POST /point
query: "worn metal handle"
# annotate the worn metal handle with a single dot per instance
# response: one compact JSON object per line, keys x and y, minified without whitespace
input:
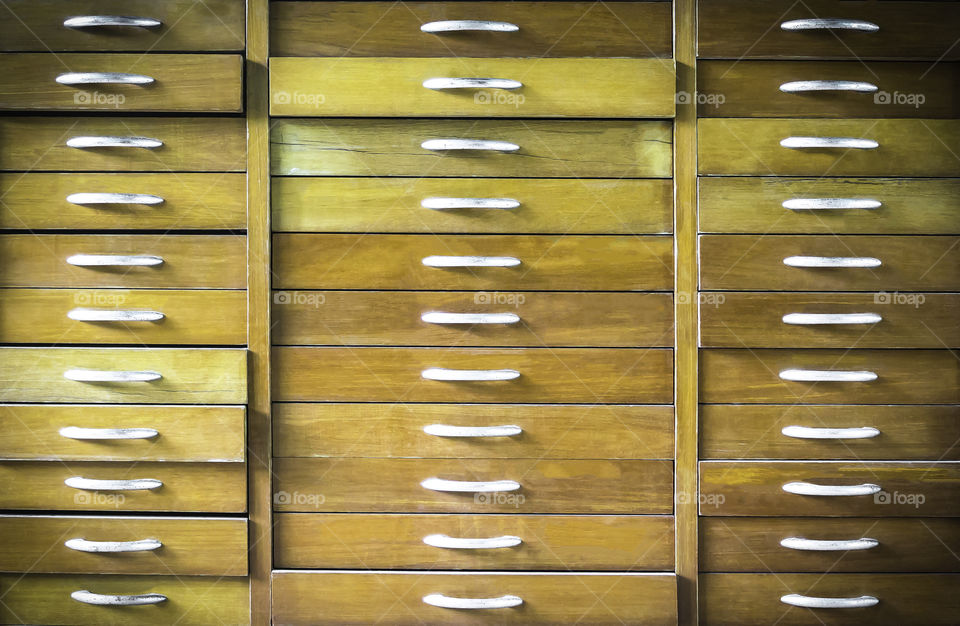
{"x":813,"y":602}
{"x":445,"y":204}
{"x":444,"y":374}
{"x":456,"y":26}
{"x":448,"y":602}
{"x":830,"y":204}
{"x":470,"y":261}
{"x":442,"y":83}
{"x":99,"y":599}
{"x":847,"y":143}
{"x":114,"y":198}
{"x":445,"y":430}
{"x":113,"y":142}
{"x":804,"y":86}
{"x":817,"y":319}
{"x":103,"y":78}
{"x":94,"y":484}
{"x":802,"y":488}
{"x":807,"y":432}
{"x":108,"y":376}
{"x":141,"y":545}
{"x":114,"y":260}
{"x":827,"y":376}
{"x":98,"y":21}
{"x":832,"y":261}
{"x":829,"y":24}
{"x":439,"y":317}
{"x":469,"y":144}
{"x":97,"y":434}
{"x":469,"y":486}
{"x":484,"y":543}
{"x":822,"y":545}
{"x":114,"y":315}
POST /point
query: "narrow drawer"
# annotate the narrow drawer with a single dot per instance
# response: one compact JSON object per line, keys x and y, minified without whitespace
{"x":871,"y":320}
{"x":830,"y":263}
{"x":167,"y":261}
{"x":123,"y":316}
{"x":575,"y":375}
{"x":533,"y":431}
{"x":904,"y":147}
{"x":756,"y":599}
{"x":190,"y":601}
{"x":124,"y":375}
{"x":485,"y":262}
{"x":540,"y":29}
{"x":545,"y":148}
{"x":539,"y":486}
{"x":470,"y":205}
{"x":173,"y":26}
{"x":444,"y":318}
{"x":546,"y":542}
{"x":865,"y":432}
{"x":44,"y":544}
{"x":762,"y":376}
{"x":771,"y":205}
{"x":184,"y":487}
{"x":123,"y":144}
{"x":123,"y":201}
{"x":862,"y":545}
{"x":759,"y":488}
{"x":183,"y":433}
{"x":147,"y":82}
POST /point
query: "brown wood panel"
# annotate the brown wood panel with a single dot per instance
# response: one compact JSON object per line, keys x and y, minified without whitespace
{"x":575,"y":375}
{"x":546,"y":486}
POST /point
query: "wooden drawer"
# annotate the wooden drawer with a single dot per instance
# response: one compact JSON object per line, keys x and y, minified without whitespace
{"x":545,"y":29}
{"x":760,"y":320}
{"x":394,"y":205}
{"x":184,"y":433}
{"x":186,"y":487}
{"x":545,"y":486}
{"x":543,"y":319}
{"x":216,"y":26}
{"x":755,"y":432}
{"x":188,"y":546}
{"x":575,"y":375}
{"x":908,"y":206}
{"x":900,"y":545}
{"x":199,"y":601}
{"x":167,"y":201}
{"x":738,"y":29}
{"x":330,"y":597}
{"x":755,"y":599}
{"x":558,"y":542}
{"x":551,"y":149}
{"x":176,"y":144}
{"x":545,"y":431}
{"x":208,"y":317}
{"x":186,"y":376}
{"x":760,"y":89}
{"x":185,"y":261}
{"x":178,"y":82}
{"x":903,"y":377}
{"x":757,"y":488}
{"x":538,"y":262}
{"x":761,"y":262}
{"x":905,"y":147}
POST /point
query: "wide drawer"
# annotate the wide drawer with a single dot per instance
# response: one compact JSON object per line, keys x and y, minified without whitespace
{"x":829,"y":376}
{"x":42,"y":544}
{"x":756,"y":599}
{"x":830,"y":263}
{"x":127,"y":144}
{"x":123,"y":316}
{"x":472,"y":431}
{"x":470,"y":205}
{"x":184,"y":487}
{"x":903,"y":147}
{"x":485,"y":262}
{"x":829,"y":488}
{"x":772,"y":205}
{"x":174,"y":25}
{"x":187,"y":601}
{"x":96,"y":432}
{"x":537,"y":29}
{"x":121,"y":82}
{"x":444,"y":318}
{"x":830,"y":320}
{"x":829,"y":432}
{"x":510,"y":542}
{"x":167,"y":261}
{"x":792,"y":544}
{"x":331,"y":597}
{"x":545,"y":148}
{"x":124,"y":375}
{"x":575,"y":375}
{"x":506,"y":486}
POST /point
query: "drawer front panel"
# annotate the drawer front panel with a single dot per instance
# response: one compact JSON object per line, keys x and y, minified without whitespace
{"x":561,"y":542}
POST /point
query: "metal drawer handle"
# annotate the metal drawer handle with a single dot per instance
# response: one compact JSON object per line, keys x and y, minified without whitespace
{"x":801,"y":488}
{"x":458,"y":543}
{"x":813,"y":602}
{"x":820,"y":545}
{"x":849,"y":143}
{"x":114,"y":198}
{"x":816,"y":319}
{"x":806,"y":432}
{"x":114,"y":260}
{"x":829,"y":24}
{"x":114,"y":315}
{"x":804,"y":86}
{"x":470,"y":261}
{"x":447,"y":602}
{"x":103,"y":78}
{"x":832,"y":261}
{"x":827,"y":376}
{"x":444,"y":204}
{"x":471,"y":83}
{"x":96,"y":434}
{"x":93,"y":484}
{"x":438,"y":317}
{"x":99,"y":599}
{"x":142,"y":545}
{"x":442,"y":373}
{"x":97,"y":21}
{"x":469,"y":486}
{"x":457,"y":26}
{"x":445,"y":430}
{"x":469,"y":144}
{"x":830,"y":204}
{"x":113,"y":142}
{"x":107,"y":376}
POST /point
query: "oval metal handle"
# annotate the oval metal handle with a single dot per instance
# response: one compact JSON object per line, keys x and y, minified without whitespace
{"x":442,"y":83}
{"x":830,"y":204}
{"x":98,"y":21}
{"x":114,"y":315}
{"x":108,"y":376}
{"x":445,"y":204}
{"x":827,"y":376}
{"x":470,"y":261}
{"x":439,"y":317}
{"x":99,"y":599}
{"x":469,"y":486}
{"x":832,"y":261}
{"x":94,"y":484}
{"x":114,"y":198}
{"x":114,"y":260}
{"x":484,"y":543}
{"x":805,"y":86}
{"x":445,"y":430}
{"x":96,"y":434}
{"x":817,"y":319}
{"x":821,"y":545}
{"x":813,"y":602}
{"x":103,"y":78}
{"x":113,"y":142}
{"x":141,"y":545}
{"x":444,"y":374}
{"x":469,"y":144}
{"x":829,"y":24}
{"x":802,"y":488}
{"x":807,"y":432}
{"x":457,"y":26}
{"x":448,"y":602}
{"x":846,"y":143}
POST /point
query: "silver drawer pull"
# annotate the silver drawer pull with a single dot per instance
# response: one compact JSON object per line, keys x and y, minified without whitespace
{"x":806,"y":432}
{"x":113,"y":142}
{"x":442,"y":373}
{"x":98,"y":434}
{"x":469,"y":486}
{"x":445,"y":430}
{"x":108,"y":376}
{"x":99,"y":599}
{"x":448,"y":602}
{"x":98,"y":21}
{"x":114,"y":315}
{"x":829,"y":24}
{"x":832,"y":261}
{"x":816,"y":319}
{"x":457,"y":26}
{"x":114,"y":260}
{"x":470,"y":261}
{"x":440,"y":84}
{"x":801,"y":488}
{"x":103,"y":78}
{"x":93,"y":484}
{"x":813,"y":602}
{"x":820,"y":545}
{"x":484,"y":543}
{"x":830,"y":204}
{"x":827,"y":376}
{"x":114,"y":198}
{"x":469,"y":144}
{"x":804,"y":86}
{"x":445,"y":204}
{"x":847,"y":143}
{"x":438,"y":317}
{"x":142,"y":545}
